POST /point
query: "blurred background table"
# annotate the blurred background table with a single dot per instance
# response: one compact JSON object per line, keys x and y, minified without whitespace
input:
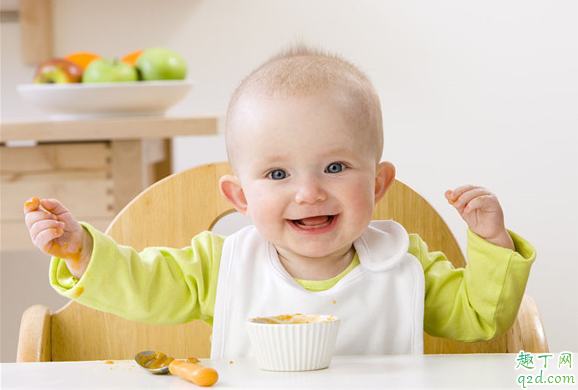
{"x":94,"y":166}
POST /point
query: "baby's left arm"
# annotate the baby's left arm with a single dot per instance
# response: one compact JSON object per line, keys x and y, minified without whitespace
{"x":482,"y":212}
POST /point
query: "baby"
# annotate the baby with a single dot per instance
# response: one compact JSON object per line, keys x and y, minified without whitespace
{"x":304,"y":139}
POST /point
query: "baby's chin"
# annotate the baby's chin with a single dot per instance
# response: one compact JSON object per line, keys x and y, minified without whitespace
{"x":313,"y":253}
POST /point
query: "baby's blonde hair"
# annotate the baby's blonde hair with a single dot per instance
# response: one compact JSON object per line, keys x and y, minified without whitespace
{"x":304,"y":71}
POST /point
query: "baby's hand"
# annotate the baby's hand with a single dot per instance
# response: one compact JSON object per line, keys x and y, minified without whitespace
{"x":482,"y":212}
{"x":56,"y":232}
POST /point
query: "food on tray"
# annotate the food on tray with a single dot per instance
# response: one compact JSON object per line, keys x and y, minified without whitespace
{"x":159,"y":363}
{"x":156,"y":360}
{"x":284,"y":342}
{"x":294,"y":319}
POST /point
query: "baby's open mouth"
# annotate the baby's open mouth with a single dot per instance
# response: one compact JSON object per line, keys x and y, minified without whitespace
{"x":316,"y":222}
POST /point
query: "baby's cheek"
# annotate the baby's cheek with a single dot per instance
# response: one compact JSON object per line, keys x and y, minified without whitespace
{"x":263,"y":208}
{"x":361,"y":205}
{"x":262,"y":218}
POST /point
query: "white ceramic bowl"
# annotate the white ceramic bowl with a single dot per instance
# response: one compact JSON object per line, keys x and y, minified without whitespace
{"x":295,"y":342}
{"x":101,"y":100}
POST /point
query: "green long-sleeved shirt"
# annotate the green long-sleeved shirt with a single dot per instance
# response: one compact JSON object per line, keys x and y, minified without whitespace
{"x":173,"y":286}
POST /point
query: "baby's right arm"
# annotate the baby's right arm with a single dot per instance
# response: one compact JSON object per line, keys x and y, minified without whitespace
{"x":56,"y":232}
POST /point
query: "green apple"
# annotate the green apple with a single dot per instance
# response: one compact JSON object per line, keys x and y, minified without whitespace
{"x":58,"y":71}
{"x":106,"y":70}
{"x":159,"y":63}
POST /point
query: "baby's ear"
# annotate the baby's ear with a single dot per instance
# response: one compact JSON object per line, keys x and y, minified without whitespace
{"x":232,"y":191}
{"x":384,"y":178}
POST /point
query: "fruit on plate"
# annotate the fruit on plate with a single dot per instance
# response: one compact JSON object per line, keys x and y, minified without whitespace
{"x":58,"y":71}
{"x":131,"y":58}
{"x":106,"y":70}
{"x":82,"y":58}
{"x":159,"y":63}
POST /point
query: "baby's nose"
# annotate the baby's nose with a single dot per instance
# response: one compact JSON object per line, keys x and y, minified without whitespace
{"x":310,"y":191}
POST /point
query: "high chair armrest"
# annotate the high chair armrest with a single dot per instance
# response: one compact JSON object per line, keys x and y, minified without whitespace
{"x":34,"y":340}
{"x":531,"y":326}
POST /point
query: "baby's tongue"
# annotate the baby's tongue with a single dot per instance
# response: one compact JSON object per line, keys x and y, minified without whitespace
{"x":314,"y":221}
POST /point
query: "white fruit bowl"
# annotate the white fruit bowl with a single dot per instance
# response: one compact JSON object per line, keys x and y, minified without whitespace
{"x":102,"y":100}
{"x":295,"y":342}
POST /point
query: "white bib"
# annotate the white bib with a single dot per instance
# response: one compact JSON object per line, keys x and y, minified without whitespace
{"x":380,"y":302}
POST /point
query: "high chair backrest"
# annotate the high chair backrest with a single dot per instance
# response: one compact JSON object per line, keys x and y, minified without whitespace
{"x":170,"y":213}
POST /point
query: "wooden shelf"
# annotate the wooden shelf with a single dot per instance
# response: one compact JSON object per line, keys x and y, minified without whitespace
{"x":108,"y":129}
{"x":94,"y":166}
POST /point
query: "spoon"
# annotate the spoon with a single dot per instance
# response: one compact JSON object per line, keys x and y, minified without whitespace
{"x":159,"y":363}
{"x":154,"y":362}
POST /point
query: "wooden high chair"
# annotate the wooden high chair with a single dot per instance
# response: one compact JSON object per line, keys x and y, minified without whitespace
{"x":193,"y":200}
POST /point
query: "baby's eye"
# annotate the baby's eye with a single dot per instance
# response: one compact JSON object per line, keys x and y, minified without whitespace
{"x":335,"y":167}
{"x":277,"y":174}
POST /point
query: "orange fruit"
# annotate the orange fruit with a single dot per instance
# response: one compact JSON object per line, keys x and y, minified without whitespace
{"x":82,"y":58}
{"x":131,"y":58}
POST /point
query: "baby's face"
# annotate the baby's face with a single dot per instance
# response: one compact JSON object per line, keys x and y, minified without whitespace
{"x":307,"y":172}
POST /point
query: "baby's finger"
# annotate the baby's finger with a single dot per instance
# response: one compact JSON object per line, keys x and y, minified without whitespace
{"x":479,"y":202}
{"x":453,"y":196}
{"x":45,"y":224}
{"x":32,"y":217}
{"x":54,"y":206}
{"x":449,"y":194}
{"x":44,"y":240}
{"x":467,"y":196}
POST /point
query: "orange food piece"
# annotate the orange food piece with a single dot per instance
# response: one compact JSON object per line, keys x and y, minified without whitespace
{"x":82,"y":58}
{"x":131,"y":58}
{"x":32,"y":204}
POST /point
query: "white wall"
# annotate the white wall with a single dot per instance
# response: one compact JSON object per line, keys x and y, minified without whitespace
{"x":472,"y":92}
